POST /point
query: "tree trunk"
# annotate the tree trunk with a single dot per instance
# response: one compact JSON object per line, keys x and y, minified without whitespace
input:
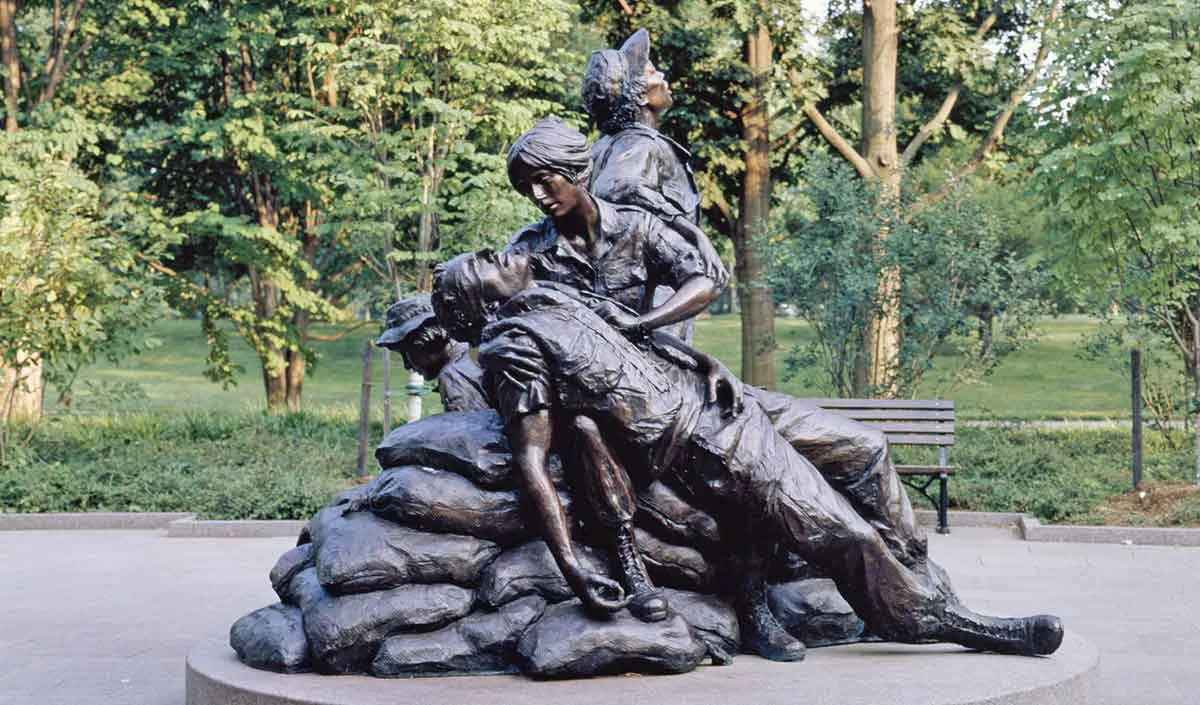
{"x":756,"y":299}
{"x":297,"y":364}
{"x":880,"y":38}
{"x":431,"y":182}
{"x":1195,"y":409}
{"x":1195,"y":370}
{"x":11,"y":61}
{"x":22,"y":390}
{"x":987,"y":325}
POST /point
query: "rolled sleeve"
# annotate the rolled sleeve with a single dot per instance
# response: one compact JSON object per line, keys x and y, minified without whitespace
{"x":516,"y":390}
{"x":676,"y":259}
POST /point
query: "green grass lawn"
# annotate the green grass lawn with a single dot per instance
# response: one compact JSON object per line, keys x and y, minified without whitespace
{"x":172,"y":375}
{"x":188,"y":444}
{"x":1047,"y":380}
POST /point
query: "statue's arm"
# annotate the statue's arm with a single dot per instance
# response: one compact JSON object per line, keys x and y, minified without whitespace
{"x":518,"y":377}
{"x":530,"y":436}
{"x":688,"y":301}
{"x":722,"y":385}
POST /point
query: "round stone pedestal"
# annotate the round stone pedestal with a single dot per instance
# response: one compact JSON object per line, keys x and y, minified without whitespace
{"x":858,"y":674}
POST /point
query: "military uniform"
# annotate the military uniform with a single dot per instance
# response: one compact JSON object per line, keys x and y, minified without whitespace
{"x":740,"y":469}
{"x":634,"y":253}
{"x":460,"y":382}
{"x":640,"y":166}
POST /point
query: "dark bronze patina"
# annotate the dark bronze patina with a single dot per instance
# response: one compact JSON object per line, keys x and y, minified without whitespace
{"x":602,"y":497}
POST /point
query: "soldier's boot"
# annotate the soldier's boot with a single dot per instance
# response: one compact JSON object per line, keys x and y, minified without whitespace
{"x":647,"y":602}
{"x":1039,"y":635}
{"x":762,"y":633}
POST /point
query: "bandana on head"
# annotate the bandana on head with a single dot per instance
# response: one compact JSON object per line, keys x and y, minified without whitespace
{"x":554,"y":146}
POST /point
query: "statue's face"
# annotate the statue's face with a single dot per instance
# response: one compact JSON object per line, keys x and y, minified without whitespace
{"x":425,"y":353}
{"x":658,"y":91}
{"x":552,"y":192}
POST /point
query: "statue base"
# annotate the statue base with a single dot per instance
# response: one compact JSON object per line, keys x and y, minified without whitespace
{"x":854,"y":674}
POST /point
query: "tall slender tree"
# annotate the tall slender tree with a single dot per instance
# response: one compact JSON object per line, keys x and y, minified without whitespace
{"x":879,"y":159}
{"x":68,"y":69}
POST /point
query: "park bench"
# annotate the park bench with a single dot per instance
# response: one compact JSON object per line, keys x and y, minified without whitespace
{"x":916,"y":422}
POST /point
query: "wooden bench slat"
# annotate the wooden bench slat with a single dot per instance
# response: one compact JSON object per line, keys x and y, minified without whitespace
{"x":882,"y":403}
{"x":914,"y":439}
{"x":897,"y":414}
{"x":923,"y":470}
{"x":936,"y":427}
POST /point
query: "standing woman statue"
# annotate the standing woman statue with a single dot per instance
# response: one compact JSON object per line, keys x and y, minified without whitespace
{"x":625,"y":95}
{"x":633,"y":163}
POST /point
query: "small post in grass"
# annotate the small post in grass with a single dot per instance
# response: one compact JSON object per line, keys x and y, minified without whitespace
{"x":387,"y":392}
{"x":364,"y":411}
{"x":1135,"y":365}
{"x":415,"y":388}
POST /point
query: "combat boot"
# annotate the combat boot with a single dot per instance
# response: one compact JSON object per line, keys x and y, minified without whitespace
{"x":647,"y":602}
{"x":762,"y":633}
{"x":1039,"y":635}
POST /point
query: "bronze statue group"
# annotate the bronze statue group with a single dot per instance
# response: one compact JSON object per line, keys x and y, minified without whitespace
{"x":583,"y":330}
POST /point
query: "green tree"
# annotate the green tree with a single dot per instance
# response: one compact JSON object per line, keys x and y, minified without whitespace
{"x":71,"y":217}
{"x":946,"y":45}
{"x":826,"y":260}
{"x":314,"y":151}
{"x":73,"y":282}
{"x":1123,"y":183}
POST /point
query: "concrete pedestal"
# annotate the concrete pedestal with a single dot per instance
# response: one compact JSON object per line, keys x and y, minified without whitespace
{"x":859,"y":674}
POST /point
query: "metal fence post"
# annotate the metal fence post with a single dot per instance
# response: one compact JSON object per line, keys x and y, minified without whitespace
{"x":1135,"y":365}
{"x":364,"y":411}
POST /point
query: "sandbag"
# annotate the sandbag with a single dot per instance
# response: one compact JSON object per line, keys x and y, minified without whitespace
{"x":345,"y":631}
{"x":713,"y":621}
{"x":439,"y":501}
{"x":814,"y":612}
{"x":469,"y":443}
{"x":674,"y":566}
{"x":286,"y":568}
{"x":362,"y":552}
{"x":567,"y":643}
{"x":530,"y":569}
{"x":272,"y":638}
{"x":480,"y":642}
{"x":663,"y":512}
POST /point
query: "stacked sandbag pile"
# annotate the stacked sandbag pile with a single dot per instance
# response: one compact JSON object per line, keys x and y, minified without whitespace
{"x":434,"y":568}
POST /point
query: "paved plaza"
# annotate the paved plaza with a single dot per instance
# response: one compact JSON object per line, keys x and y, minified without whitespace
{"x":91,"y":617}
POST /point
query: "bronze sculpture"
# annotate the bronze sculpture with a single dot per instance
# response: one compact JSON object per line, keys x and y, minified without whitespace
{"x":736,"y":465}
{"x":413,"y":331}
{"x":631,"y":453}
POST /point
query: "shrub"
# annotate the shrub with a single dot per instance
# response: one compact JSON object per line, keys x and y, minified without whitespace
{"x":221,"y":466}
{"x":1056,"y":474}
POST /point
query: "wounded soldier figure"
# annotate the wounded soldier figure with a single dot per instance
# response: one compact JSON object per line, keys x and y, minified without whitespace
{"x":551,"y":363}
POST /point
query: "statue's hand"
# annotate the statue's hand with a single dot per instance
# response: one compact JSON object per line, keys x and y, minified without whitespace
{"x":599,"y":593}
{"x":616,"y":316}
{"x":603,"y":594}
{"x":723,"y":387}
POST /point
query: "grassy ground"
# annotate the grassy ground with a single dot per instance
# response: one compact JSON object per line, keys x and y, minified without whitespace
{"x":184,"y":443}
{"x":172,"y":376}
{"x":1045,"y":381}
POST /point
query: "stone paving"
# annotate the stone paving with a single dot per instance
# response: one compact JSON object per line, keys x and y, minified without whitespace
{"x":109,"y":616}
